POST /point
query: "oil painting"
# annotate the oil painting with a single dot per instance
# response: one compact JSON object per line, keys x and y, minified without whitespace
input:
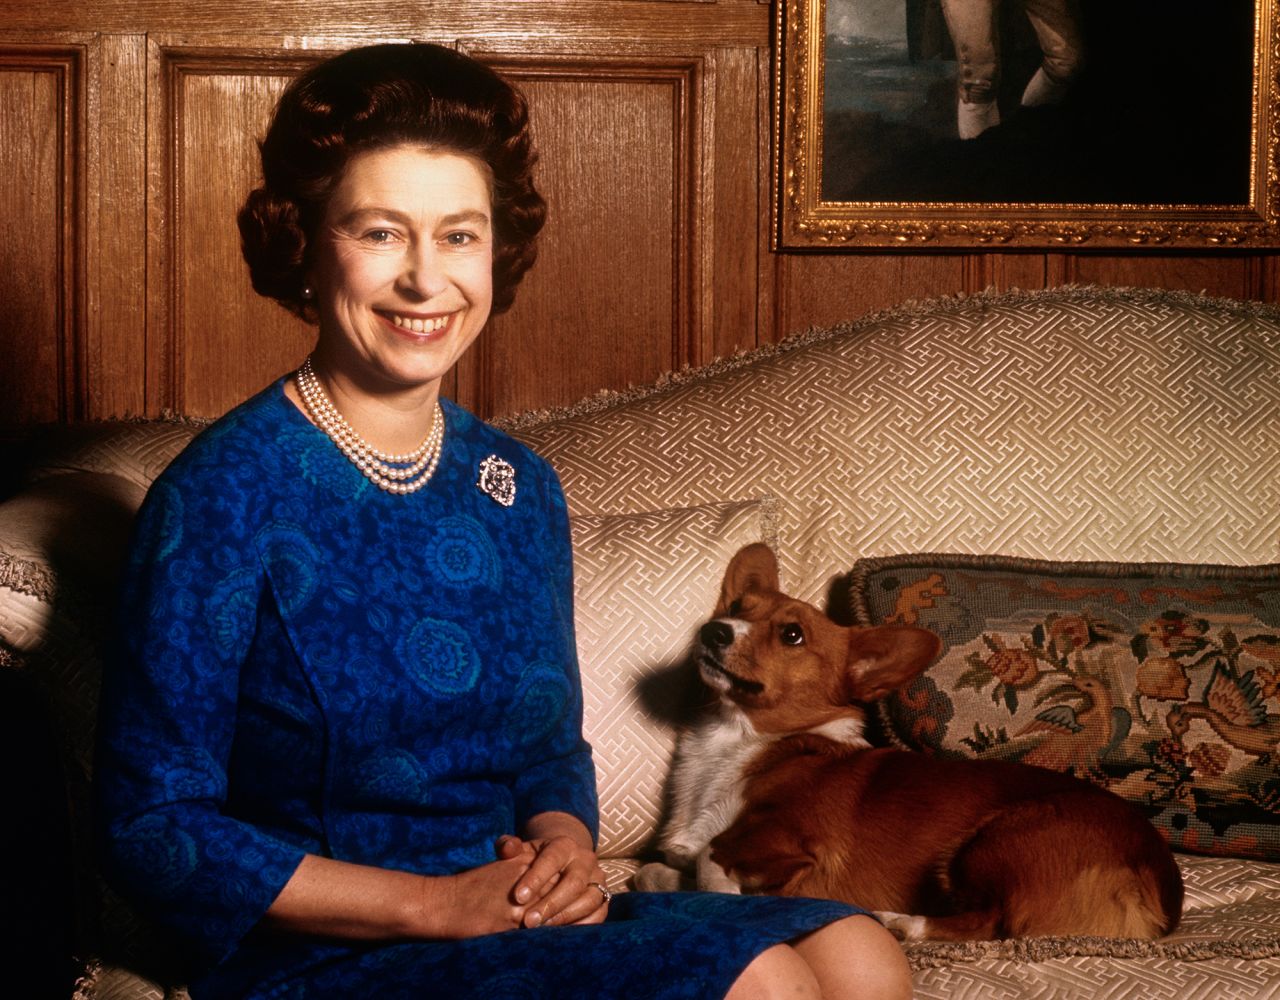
{"x":1026,"y":123}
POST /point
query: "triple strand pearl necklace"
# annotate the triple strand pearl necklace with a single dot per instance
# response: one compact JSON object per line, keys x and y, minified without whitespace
{"x":394,"y":473}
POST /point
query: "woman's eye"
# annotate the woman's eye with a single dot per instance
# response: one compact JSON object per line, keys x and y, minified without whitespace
{"x":791,"y":634}
{"x":460,"y":239}
{"x":379,"y":236}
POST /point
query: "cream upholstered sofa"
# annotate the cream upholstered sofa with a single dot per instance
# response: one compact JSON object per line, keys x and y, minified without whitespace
{"x":1093,"y":424}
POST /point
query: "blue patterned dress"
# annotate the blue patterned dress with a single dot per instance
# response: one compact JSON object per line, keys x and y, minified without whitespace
{"x":311,"y":665}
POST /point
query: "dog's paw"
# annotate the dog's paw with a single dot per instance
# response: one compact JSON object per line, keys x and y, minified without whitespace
{"x":724,"y":884}
{"x":903,"y":926}
{"x":657,"y":877}
{"x":713,"y":878}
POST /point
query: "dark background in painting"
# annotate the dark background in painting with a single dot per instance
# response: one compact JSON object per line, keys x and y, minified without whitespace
{"x":1161,"y":113}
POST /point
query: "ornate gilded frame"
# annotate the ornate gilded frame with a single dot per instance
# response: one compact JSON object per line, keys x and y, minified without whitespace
{"x":802,"y":220}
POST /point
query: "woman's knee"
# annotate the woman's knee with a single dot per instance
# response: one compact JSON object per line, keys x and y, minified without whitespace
{"x":857,"y":957}
{"x":776,"y":973}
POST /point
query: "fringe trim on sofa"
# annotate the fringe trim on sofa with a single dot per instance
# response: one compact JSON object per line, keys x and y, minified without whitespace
{"x":926,"y":955}
{"x":87,"y":984}
{"x":946,"y":305}
{"x":27,"y":578}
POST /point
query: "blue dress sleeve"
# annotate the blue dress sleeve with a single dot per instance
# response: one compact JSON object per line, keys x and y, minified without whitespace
{"x":564,"y":779}
{"x":187,"y":618}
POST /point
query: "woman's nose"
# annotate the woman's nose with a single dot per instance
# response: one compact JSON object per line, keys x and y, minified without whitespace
{"x":423,"y":274}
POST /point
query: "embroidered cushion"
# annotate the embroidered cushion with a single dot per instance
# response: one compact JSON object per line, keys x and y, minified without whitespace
{"x":1160,"y":682}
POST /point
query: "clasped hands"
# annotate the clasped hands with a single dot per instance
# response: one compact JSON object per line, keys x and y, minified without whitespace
{"x":556,"y":886}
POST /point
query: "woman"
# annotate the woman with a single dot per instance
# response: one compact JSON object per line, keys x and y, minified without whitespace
{"x":341,"y":748}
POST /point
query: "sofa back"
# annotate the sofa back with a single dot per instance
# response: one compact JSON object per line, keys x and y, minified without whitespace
{"x":1078,"y":423}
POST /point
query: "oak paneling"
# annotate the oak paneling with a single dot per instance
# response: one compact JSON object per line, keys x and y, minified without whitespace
{"x":115,"y":329}
{"x":595,"y":26}
{"x":1225,"y":274}
{"x":821,"y":289}
{"x":127,"y":133}
{"x":39,"y":201}
{"x":215,"y":340}
{"x":611,"y":300}
{"x":734,"y":181}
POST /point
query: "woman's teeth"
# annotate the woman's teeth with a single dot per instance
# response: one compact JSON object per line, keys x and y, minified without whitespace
{"x":420,"y":325}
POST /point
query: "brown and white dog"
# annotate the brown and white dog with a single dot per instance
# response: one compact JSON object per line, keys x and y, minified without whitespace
{"x":775,"y":790}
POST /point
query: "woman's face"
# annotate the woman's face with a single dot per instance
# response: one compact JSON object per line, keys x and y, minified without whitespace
{"x":403,"y":267}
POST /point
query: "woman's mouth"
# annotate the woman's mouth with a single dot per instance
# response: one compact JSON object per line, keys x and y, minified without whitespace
{"x":417,"y":324}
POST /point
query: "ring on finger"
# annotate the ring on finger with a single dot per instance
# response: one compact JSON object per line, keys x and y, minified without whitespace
{"x":604,"y":890}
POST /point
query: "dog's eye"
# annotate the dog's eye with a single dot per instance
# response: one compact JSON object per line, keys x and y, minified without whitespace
{"x":791,"y":634}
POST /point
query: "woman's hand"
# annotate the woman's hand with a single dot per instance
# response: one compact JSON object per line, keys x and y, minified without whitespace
{"x":341,"y":899}
{"x":481,"y":900}
{"x":557,"y":889}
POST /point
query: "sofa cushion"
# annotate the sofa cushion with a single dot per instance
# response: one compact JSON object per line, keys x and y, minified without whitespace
{"x":134,"y":450}
{"x":643,"y":583}
{"x":1161,"y":682}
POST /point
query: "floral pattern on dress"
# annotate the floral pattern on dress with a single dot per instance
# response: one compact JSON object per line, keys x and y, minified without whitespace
{"x":309,"y":664}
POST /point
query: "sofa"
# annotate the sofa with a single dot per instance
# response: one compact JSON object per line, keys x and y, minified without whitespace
{"x":1079,"y":489}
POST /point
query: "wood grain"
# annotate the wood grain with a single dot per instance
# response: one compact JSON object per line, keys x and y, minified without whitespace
{"x":608,"y":301}
{"x":214,"y":341}
{"x":519,"y":21}
{"x":228,"y":342}
{"x":1225,"y":274}
{"x":127,"y":132}
{"x":115,"y":334}
{"x":38,"y":255}
{"x":734,"y":181}
{"x":821,"y":289}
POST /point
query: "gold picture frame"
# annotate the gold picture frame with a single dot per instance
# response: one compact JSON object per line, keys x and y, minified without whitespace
{"x":1234,"y":200}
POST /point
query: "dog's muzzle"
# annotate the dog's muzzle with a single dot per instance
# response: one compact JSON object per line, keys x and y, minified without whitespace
{"x":715,"y":637}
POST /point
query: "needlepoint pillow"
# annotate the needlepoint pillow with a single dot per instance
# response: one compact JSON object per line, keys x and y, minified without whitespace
{"x":643,"y":584}
{"x":1160,"y":682}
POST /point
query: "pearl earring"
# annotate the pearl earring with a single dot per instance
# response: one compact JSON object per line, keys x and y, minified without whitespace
{"x":308,"y":293}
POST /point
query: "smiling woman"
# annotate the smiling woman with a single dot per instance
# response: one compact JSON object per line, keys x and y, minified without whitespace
{"x":401,"y":272}
{"x":341,"y":748}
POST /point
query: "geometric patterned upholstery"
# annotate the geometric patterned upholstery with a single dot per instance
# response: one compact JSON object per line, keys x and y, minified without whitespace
{"x":643,"y":584}
{"x":136,"y":450}
{"x":1082,"y":423}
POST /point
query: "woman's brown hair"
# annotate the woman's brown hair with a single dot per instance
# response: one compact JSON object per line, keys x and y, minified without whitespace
{"x":372,"y":98}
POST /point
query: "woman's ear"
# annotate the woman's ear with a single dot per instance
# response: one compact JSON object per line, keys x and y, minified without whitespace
{"x":754,"y":567}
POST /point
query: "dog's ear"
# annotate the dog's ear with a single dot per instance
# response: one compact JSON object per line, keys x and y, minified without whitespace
{"x":754,"y":567}
{"x":884,"y":658}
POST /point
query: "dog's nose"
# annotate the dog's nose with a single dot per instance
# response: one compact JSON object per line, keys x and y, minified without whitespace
{"x":716,"y":635}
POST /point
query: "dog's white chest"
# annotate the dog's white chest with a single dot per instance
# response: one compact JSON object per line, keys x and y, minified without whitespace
{"x":707,"y":783}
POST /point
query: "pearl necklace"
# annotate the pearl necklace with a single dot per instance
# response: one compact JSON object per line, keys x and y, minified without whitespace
{"x":393,"y":473}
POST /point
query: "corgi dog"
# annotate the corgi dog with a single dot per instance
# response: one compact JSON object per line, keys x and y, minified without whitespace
{"x":775,"y":790}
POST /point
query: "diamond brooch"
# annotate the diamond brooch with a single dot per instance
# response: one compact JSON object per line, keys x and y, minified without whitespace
{"x":498,"y":480}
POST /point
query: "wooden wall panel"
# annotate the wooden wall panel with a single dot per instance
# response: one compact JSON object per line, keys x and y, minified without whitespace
{"x":218,"y":341}
{"x":115,"y":327}
{"x":610,"y":300}
{"x":1223,"y":274}
{"x":127,"y":134}
{"x":39,"y":252}
{"x":736,"y":173}
{"x":597,"y":26}
{"x":821,"y":289}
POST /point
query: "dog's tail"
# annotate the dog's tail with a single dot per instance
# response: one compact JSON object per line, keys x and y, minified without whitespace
{"x":1112,"y":902}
